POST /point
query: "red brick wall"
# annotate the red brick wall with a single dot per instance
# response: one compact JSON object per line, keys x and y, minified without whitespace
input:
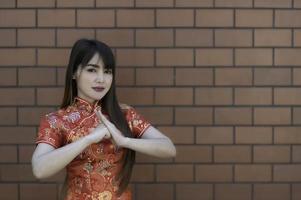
{"x":220,"y":77}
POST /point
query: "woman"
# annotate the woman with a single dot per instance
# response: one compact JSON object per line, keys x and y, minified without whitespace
{"x":93,"y":135}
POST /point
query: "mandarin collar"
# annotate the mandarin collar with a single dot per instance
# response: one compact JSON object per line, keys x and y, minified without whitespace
{"x":84,"y":104}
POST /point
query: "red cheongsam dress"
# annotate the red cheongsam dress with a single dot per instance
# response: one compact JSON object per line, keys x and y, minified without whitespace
{"x":91,"y":174}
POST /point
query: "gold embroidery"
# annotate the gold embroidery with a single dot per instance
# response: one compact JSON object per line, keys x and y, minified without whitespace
{"x":106,"y":195}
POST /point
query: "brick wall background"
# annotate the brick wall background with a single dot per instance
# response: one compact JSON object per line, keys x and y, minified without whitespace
{"x":220,"y":77}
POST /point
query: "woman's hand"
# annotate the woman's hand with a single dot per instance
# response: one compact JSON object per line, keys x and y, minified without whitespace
{"x":98,"y":133}
{"x":117,"y":136}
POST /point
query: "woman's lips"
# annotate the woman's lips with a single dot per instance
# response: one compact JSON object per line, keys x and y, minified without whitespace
{"x":98,"y":89}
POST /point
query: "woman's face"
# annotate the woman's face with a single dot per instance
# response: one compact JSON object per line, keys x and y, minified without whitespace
{"x":93,"y":80}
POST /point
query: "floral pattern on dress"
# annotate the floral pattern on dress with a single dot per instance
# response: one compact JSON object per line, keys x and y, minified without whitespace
{"x":91,"y":174}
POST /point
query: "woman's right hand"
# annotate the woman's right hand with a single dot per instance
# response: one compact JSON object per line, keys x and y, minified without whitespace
{"x":98,"y":133}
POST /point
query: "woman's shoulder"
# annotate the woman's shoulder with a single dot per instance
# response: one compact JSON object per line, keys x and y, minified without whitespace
{"x":125,"y":106}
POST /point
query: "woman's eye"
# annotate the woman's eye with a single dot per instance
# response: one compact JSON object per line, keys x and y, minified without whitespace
{"x":108,"y":71}
{"x":91,"y":70}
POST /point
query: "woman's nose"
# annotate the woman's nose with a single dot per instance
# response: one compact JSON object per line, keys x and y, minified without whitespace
{"x":100,"y":77}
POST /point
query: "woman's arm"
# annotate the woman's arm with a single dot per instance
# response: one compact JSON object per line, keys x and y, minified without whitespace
{"x":47,"y":161}
{"x":153,"y":143}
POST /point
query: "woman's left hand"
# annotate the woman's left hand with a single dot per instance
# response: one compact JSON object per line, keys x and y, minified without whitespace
{"x":117,"y":136}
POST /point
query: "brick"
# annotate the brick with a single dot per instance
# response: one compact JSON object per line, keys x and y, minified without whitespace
{"x":135,"y":18}
{"x":296,"y":192}
{"x":155,"y":191}
{"x":17,"y":135}
{"x":253,"y":18}
{"x":253,"y":96}
{"x":235,"y":116}
{"x":154,"y":38}
{"x":178,"y":134}
{"x":197,"y":76}
{"x":296,"y":152}
{"x":17,"y":172}
{"x":8,"y":154}
{"x":8,"y":76}
{"x":287,"y":173}
{"x":253,"y":57}
{"x":129,"y":95}
{"x":174,"y":173}
{"x":116,"y":3}
{"x":287,"y":18}
{"x":272,"y":116}
{"x":287,"y":96}
{"x":271,"y":154}
{"x":185,"y":152}
{"x":143,"y":173}
{"x":8,"y":116}
{"x":272,"y":38}
{"x":214,"y":18}
{"x":49,"y":96}
{"x":233,"y":192}
{"x":32,"y":191}
{"x":271,"y":191}
{"x":232,"y":154}
{"x":296,"y":115}
{"x":17,"y":18}
{"x":25,"y":153}
{"x":214,"y":135}
{"x":193,"y":115}
{"x":53,"y":57}
{"x":154,"y":76}
{"x":232,"y":76}
{"x":253,"y":135}
{"x":213,"y":96}
{"x":145,"y":159}
{"x":233,"y":38}
{"x":173,"y":96}
{"x":159,"y":115}
{"x":125,"y":76}
{"x":95,"y":18}
{"x":20,"y":57}
{"x":61,"y":72}
{"x":36,"y":37}
{"x":37,"y":76}
{"x":297,"y":38}
{"x":287,"y":57}
{"x":17,"y":96}
{"x":75,"y":3}
{"x":190,"y":191}
{"x":213,"y":173}
{"x":116,"y":37}
{"x":207,"y":57}
{"x":287,"y":135}
{"x":273,"y":3}
{"x":174,"y":57}
{"x":9,"y":191}
{"x":10,"y":37}
{"x":193,"y":3}
{"x":174,"y":18}
{"x":32,"y":115}
{"x":7,"y":4}
{"x":194,"y":38}
{"x":272,"y":76}
{"x":253,"y":173}
{"x":67,"y":37}
{"x":56,"y":18}
{"x":135,"y":57}
{"x":156,"y":3}
{"x":35,"y":3}
{"x":233,"y":3}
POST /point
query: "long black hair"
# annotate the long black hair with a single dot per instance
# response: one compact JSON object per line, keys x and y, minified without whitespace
{"x":82,"y":52}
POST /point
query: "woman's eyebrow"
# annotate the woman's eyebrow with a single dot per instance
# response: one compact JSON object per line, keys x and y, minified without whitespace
{"x":93,"y":65}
